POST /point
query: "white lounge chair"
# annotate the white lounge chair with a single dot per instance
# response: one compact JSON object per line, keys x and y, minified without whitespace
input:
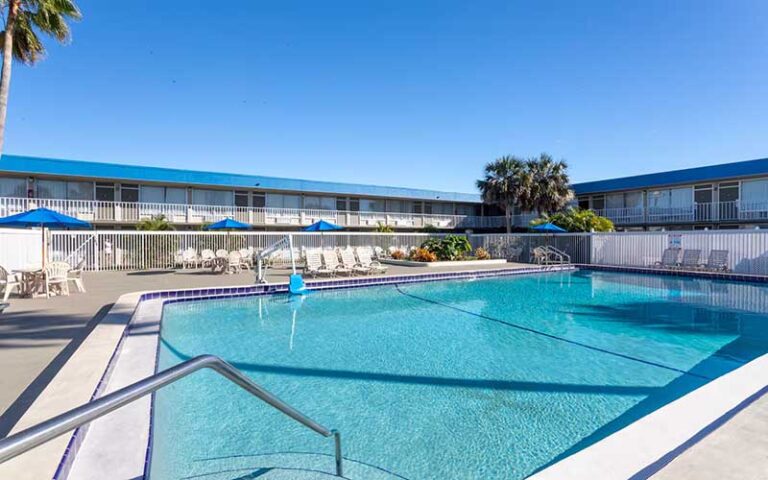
{"x":8,"y":281}
{"x":76,"y":276}
{"x":331,"y":260}
{"x":669,"y":258}
{"x":349,"y":262}
{"x":234,"y":262}
{"x":717,"y":261}
{"x":365,"y":260}
{"x":3,"y":306}
{"x":313,"y":264}
{"x":189,"y":258}
{"x":246,"y":258}
{"x":55,"y":276}
{"x":206,"y":258}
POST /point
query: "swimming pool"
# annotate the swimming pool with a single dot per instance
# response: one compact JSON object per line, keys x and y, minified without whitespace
{"x":493,"y":378}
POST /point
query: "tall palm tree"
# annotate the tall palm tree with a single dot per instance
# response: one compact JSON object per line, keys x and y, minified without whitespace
{"x":20,"y":41}
{"x":502,"y":185}
{"x":546,"y":186}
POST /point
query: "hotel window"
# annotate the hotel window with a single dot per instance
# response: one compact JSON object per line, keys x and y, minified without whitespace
{"x":633,"y":200}
{"x":729,"y":192}
{"x":354,"y":204}
{"x":370,"y":205}
{"x":702,"y":194}
{"x":151,"y":194}
{"x":584,"y":203}
{"x":614,"y":200}
{"x":598,"y":202}
{"x":259,"y":200}
{"x":428,"y":208}
{"x":13,"y":187}
{"x":129,"y":193}
{"x":341,"y":203}
{"x":754,"y":194}
{"x":241,"y":199}
{"x":464,"y":209}
{"x":278,"y":200}
{"x":105,"y":192}
{"x":51,"y":189}
{"x":418,"y":207}
{"x":319,"y":203}
{"x":212,"y":197}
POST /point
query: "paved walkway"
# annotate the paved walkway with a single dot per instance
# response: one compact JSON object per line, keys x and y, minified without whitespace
{"x":738,"y":450}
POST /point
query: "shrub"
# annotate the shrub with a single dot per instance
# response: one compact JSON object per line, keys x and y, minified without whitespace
{"x":398,"y":255}
{"x":577,"y":220}
{"x":482,"y":254}
{"x":381,"y":228}
{"x":452,"y":247}
{"x":423,"y":255}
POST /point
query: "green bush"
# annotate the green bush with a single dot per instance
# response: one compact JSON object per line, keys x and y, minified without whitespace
{"x":577,"y":220}
{"x":452,"y":247}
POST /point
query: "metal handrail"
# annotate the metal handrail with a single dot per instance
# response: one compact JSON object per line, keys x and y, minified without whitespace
{"x":30,"y":438}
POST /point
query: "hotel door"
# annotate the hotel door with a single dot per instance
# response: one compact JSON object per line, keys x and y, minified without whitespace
{"x":702,"y":201}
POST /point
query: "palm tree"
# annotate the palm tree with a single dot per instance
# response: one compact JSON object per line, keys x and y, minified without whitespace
{"x":157,"y":223}
{"x":20,"y":41}
{"x":502,"y":184}
{"x":546,"y":187}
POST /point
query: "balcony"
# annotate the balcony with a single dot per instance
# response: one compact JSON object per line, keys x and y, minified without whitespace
{"x":698,"y":213}
{"x":129,"y":213}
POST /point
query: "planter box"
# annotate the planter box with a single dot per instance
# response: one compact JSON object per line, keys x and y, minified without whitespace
{"x":459,"y":263}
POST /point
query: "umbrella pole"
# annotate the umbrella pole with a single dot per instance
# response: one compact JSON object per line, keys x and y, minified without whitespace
{"x":42,"y":257}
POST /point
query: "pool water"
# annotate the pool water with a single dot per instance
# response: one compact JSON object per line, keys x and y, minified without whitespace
{"x":492,"y":378}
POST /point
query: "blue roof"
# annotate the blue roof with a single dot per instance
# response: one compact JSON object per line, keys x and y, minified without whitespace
{"x":111,"y":171}
{"x":710,"y":173}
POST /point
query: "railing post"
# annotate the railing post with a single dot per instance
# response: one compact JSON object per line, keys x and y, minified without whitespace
{"x":96,"y":252}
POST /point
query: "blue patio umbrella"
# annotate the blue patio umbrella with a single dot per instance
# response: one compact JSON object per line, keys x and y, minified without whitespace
{"x":43,"y":218}
{"x":323,"y":226}
{"x":548,"y":227}
{"x":228,"y":223}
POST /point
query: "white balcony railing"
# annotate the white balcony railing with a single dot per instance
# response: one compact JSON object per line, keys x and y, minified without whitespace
{"x":128,"y":212}
{"x":735,"y":211}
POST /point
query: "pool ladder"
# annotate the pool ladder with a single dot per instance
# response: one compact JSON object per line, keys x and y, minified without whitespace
{"x":32,"y":437}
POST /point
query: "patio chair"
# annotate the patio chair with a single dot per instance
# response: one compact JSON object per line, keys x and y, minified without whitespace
{"x":690,"y":259}
{"x":189,"y":258}
{"x":246,"y":258}
{"x":331,"y":260}
{"x":717,"y":261}
{"x":76,"y":276}
{"x":365,"y":260}
{"x":669,"y":258}
{"x":539,"y":256}
{"x":9,"y":281}
{"x":221,"y":253}
{"x":55,"y":276}
{"x":313,"y":264}
{"x":234,"y":262}
{"x":206,"y":258}
{"x":380,"y":253}
{"x":349,"y":261}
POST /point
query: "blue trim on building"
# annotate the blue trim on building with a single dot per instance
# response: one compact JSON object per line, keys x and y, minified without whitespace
{"x":689,"y":175}
{"x":110,"y":171}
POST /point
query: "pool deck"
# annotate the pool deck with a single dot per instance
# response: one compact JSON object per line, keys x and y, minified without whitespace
{"x":38,"y":336}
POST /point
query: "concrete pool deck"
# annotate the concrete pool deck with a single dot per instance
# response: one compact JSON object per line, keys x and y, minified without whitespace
{"x":739,"y":455}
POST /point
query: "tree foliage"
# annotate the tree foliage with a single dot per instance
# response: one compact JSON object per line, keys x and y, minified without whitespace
{"x":157,"y":223}
{"x":577,"y":220}
{"x":33,"y":17}
{"x":503,"y":184}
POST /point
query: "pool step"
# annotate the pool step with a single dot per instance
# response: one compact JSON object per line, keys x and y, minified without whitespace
{"x":284,"y":466}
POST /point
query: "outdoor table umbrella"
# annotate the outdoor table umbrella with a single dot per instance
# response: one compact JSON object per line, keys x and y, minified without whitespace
{"x":43,"y":218}
{"x":228,"y":223}
{"x":548,"y":228}
{"x":323,"y":226}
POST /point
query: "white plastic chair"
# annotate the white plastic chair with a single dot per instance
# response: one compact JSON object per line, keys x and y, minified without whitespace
{"x":9,"y":281}
{"x":331,"y":260}
{"x":349,"y":262}
{"x":206,"y":258}
{"x":76,"y":276}
{"x":364,"y":257}
{"x":313,"y":264}
{"x":55,"y":274}
{"x":234,"y":262}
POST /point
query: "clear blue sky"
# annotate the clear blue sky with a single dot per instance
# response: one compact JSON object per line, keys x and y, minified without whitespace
{"x":402,"y":92}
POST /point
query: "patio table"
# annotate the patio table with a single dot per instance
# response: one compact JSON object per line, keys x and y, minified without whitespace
{"x":31,"y":280}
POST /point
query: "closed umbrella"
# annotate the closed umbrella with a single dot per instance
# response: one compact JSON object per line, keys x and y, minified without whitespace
{"x":43,"y":218}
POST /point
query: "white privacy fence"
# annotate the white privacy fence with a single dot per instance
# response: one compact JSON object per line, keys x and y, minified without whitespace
{"x":133,"y":250}
{"x":20,"y":248}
